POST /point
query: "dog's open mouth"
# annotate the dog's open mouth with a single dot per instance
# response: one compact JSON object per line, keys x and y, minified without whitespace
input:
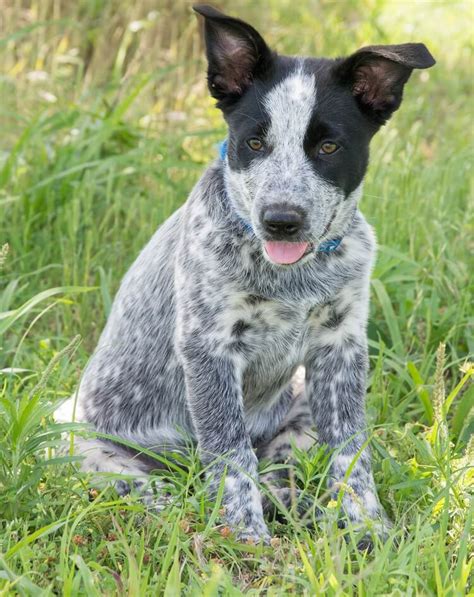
{"x":284,"y":253}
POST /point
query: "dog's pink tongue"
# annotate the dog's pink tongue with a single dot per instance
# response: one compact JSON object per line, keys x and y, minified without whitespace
{"x":285,"y":253}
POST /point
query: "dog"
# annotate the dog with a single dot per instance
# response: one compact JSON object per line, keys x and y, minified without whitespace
{"x":242,"y":324}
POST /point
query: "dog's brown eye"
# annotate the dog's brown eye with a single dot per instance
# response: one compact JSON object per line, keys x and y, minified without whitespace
{"x":328,"y":147}
{"x":255,"y":144}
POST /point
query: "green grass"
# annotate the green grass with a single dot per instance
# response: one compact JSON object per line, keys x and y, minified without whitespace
{"x":106,"y":125}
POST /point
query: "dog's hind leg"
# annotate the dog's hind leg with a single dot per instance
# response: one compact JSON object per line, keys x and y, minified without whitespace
{"x":110,"y":463}
{"x":294,"y":431}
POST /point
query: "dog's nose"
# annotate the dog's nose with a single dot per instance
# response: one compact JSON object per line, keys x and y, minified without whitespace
{"x":282,"y":222}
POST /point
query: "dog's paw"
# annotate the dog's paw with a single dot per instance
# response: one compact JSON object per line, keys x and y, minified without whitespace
{"x":152,"y":494}
{"x":242,"y":509}
{"x":253,"y":535}
{"x":368,"y":529}
{"x":366,"y":544}
{"x":247,"y":525}
{"x":250,"y":528}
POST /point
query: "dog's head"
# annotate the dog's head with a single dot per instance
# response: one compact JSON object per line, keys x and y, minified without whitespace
{"x":299,"y":130}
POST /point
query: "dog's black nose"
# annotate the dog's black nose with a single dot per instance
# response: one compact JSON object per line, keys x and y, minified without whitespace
{"x":282,"y":222}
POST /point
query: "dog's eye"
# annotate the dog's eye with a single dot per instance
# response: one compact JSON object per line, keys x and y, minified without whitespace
{"x":328,"y":147}
{"x":255,"y":144}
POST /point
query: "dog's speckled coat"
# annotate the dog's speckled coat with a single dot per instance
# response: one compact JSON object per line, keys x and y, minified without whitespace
{"x":207,"y":337}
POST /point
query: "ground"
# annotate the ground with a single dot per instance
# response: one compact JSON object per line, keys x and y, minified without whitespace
{"x":106,"y":124}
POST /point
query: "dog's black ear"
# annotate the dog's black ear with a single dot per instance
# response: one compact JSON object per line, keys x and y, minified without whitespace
{"x":377,"y":74}
{"x":236,"y":54}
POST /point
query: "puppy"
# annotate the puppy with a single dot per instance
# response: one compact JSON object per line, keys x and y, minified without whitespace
{"x":242,"y":324}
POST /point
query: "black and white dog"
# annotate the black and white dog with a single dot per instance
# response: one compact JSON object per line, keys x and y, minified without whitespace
{"x":242,"y":324}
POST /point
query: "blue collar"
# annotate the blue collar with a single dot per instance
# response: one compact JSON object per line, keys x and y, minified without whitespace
{"x":223,"y":145}
{"x":328,"y":246}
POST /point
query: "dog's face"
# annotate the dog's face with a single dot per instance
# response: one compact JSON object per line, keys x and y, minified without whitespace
{"x":299,"y":131}
{"x":298,"y":150}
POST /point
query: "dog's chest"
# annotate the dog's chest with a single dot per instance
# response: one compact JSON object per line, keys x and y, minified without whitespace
{"x":268,"y":337}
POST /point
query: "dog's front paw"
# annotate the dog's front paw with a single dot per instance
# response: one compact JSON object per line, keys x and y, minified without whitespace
{"x":368,"y":533}
{"x":253,"y":534}
{"x":247,"y":524}
{"x":243,"y":509}
{"x":368,"y":518}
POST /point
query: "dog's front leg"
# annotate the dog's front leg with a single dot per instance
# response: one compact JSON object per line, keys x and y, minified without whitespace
{"x":215,"y":401}
{"x":336,"y":368}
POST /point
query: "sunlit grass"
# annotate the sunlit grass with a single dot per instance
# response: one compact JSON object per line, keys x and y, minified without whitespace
{"x":106,"y":124}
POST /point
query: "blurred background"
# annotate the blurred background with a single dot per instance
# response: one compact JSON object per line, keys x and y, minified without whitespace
{"x":106,"y":124}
